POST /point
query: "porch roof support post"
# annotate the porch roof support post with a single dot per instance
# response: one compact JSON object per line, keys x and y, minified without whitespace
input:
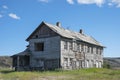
{"x":17,"y":61}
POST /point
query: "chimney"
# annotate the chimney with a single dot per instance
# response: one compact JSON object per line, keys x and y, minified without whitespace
{"x":81,"y":31}
{"x":58,"y":24}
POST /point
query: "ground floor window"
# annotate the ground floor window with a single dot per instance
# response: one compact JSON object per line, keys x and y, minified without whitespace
{"x":92,"y":63}
{"x":100,"y":64}
{"x":97,"y":64}
{"x":87,"y":63}
{"x":66,"y":62}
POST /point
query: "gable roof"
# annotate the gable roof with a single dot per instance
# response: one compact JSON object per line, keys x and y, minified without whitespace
{"x":67,"y":34}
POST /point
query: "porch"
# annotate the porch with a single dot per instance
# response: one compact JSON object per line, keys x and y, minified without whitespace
{"x":21,"y":61}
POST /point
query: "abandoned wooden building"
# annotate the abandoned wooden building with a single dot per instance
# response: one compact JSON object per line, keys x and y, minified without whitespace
{"x":53,"y":47}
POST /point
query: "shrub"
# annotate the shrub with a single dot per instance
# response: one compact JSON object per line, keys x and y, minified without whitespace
{"x":106,"y":65}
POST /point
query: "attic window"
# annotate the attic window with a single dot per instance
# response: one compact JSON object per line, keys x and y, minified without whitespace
{"x":39,"y":46}
{"x":36,"y":36}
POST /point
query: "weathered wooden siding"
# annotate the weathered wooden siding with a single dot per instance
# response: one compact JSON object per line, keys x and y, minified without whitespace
{"x":50,"y":57}
{"x":60,"y":52}
{"x":44,"y":31}
{"x":81,"y":57}
{"x":51,"y":51}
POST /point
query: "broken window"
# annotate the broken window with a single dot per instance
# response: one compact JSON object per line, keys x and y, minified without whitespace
{"x":70,"y":46}
{"x":94,"y":50}
{"x":92,"y":63}
{"x":88,"y":50}
{"x":91,"y":50}
{"x":98,"y":50}
{"x":78,"y":47}
{"x":65,"y":44}
{"x":74,"y":46}
{"x":66,"y":62}
{"x":39,"y":46}
{"x":101,"y":51}
{"x":87,"y":63}
{"x":82,"y":47}
{"x":71,"y":61}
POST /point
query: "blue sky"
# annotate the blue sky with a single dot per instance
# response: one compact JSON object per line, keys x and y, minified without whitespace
{"x":97,"y":18}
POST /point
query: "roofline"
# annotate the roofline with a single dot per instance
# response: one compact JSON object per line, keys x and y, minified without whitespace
{"x":84,"y":42}
{"x":42,"y":23}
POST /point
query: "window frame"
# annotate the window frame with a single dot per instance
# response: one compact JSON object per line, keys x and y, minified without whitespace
{"x":39,"y":46}
{"x":65,"y":45}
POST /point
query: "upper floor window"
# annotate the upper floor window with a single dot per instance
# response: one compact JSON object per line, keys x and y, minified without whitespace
{"x":101,"y":51}
{"x":97,"y":50}
{"x":85,"y":48}
{"x":78,"y":47}
{"x":92,"y":50}
{"x":70,"y":46}
{"x":82,"y":47}
{"x":75,"y":46}
{"x":65,"y":44}
{"x":39,"y":46}
{"x":88,"y":49}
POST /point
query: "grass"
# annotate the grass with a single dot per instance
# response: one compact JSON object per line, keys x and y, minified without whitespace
{"x":81,"y":74}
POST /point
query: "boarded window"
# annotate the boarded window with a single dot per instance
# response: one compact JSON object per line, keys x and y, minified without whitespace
{"x":39,"y":46}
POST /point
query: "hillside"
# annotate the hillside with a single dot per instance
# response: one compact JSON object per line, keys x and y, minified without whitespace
{"x":113,"y":62}
{"x":5,"y":62}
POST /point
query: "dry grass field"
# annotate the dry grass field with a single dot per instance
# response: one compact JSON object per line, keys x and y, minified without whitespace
{"x":81,"y":74}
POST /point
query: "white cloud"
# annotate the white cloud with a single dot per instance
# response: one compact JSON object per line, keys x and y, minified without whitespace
{"x":110,"y":4}
{"x":70,"y":1}
{"x":45,"y":1}
{"x":97,"y":2}
{"x":116,"y":2}
{"x":1,"y":15}
{"x":118,"y":5}
{"x":14,"y":16}
{"x":5,"y":7}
